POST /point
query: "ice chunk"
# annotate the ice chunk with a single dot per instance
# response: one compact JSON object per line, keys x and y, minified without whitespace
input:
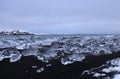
{"x":30,"y":51}
{"x":66,"y":61}
{"x":48,"y":65}
{"x":5,"y":44}
{"x":98,"y":75}
{"x":1,"y":57}
{"x":43,"y":59}
{"x":76,"y":57}
{"x":72,"y":58}
{"x":48,"y":42}
{"x":40,"y":57}
{"x":1,"y":43}
{"x":12,"y":54}
{"x":117,"y":76}
{"x":39,"y":70}
{"x":21,"y":47}
{"x":49,"y":55}
{"x":15,"y":57}
{"x":34,"y":67}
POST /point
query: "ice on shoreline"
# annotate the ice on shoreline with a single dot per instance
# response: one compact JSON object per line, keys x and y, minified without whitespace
{"x":39,"y":70}
{"x":110,"y":69}
{"x":68,"y":49}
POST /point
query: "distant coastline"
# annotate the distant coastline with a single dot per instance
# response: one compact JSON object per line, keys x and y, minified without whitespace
{"x":15,"y":32}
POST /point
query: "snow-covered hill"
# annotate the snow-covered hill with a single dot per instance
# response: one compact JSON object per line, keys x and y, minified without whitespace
{"x":15,"y":32}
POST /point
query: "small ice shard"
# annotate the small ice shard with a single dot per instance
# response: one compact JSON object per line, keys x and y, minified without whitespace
{"x":73,"y":48}
{"x":39,"y":70}
{"x":1,"y":57}
{"x":76,"y":57}
{"x":106,"y":70}
{"x":48,"y":65}
{"x":34,"y":67}
{"x":42,"y":59}
{"x":66,"y":61}
{"x":98,"y":75}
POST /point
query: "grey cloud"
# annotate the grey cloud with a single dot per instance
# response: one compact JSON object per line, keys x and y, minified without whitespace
{"x":55,"y":16}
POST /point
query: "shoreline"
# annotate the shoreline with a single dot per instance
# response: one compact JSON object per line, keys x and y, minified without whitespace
{"x":22,"y":69}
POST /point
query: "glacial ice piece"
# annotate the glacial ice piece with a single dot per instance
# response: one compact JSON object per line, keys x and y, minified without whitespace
{"x":49,"y":55}
{"x":99,"y":75}
{"x":117,"y":76}
{"x":30,"y":51}
{"x":110,"y":67}
{"x":72,"y":58}
{"x":12,"y":54}
{"x":21,"y":47}
{"x":4,"y":44}
{"x":1,"y":57}
{"x":39,"y":70}
{"x":15,"y":57}
{"x":1,"y":43}
{"x":48,"y":65}
{"x":34,"y":67}
{"x":76,"y":57}
{"x":48,"y":42}
{"x":66,"y":61}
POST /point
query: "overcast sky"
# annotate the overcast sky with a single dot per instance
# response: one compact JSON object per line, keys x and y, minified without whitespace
{"x":61,"y":16}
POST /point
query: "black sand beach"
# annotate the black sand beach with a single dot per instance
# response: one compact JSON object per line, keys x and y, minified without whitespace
{"x":23,"y":68}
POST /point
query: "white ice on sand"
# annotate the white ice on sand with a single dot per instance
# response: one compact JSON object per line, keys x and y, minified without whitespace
{"x":111,"y":66}
{"x":72,"y":58}
{"x":39,"y":70}
{"x":68,"y":49}
{"x":117,"y":76}
{"x":12,"y":54}
{"x":34,"y":67}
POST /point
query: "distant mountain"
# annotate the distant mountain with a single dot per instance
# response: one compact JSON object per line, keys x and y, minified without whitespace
{"x":15,"y":32}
